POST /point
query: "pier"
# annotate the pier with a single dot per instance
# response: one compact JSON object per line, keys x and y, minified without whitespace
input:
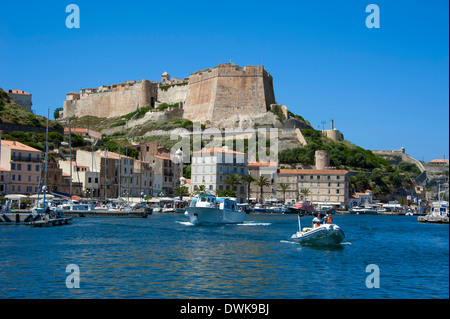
{"x":114,"y":214}
{"x":432,"y":219}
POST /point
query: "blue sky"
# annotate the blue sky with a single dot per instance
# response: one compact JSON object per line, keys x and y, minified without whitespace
{"x":385,"y":88}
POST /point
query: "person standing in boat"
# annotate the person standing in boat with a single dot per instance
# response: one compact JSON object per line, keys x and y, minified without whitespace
{"x":328,"y":219}
{"x":317,"y":221}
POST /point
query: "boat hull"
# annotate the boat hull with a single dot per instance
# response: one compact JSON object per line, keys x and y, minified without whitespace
{"x":214,"y":216}
{"x":363,"y":212}
{"x":323,"y":235}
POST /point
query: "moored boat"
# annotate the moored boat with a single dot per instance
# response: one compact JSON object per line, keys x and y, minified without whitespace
{"x":209,"y":209}
{"x":303,"y":207}
{"x":363,"y":211}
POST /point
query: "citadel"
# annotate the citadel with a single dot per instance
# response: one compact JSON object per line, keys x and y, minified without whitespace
{"x":224,"y":96}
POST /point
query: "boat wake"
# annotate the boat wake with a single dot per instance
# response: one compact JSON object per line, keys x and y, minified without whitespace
{"x":250,"y":223}
{"x":184,"y":223}
{"x":288,"y":242}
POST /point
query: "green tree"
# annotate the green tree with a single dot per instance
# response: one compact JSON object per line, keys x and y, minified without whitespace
{"x":200,"y":190}
{"x":248,"y":180}
{"x":181,"y":191}
{"x":233,"y":180}
{"x":261,"y":182}
{"x":56,"y":113}
{"x":284,"y":188}
{"x":305,"y":192}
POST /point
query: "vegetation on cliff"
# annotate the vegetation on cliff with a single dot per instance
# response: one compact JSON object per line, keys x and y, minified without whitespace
{"x":375,"y":173}
{"x":15,"y":114}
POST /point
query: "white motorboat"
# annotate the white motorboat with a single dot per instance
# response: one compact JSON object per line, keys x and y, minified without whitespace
{"x":209,"y":209}
{"x":363,"y":211}
{"x":325,"y":234}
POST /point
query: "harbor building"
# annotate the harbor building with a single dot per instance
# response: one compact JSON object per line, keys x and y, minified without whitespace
{"x":210,"y":167}
{"x":24,"y":164}
{"x":268,"y":171}
{"x":325,"y":186}
{"x":5,"y":180}
{"x":165,"y":173}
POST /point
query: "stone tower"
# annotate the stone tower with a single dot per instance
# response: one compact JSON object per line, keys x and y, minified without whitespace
{"x":322,"y":159}
{"x":165,"y":78}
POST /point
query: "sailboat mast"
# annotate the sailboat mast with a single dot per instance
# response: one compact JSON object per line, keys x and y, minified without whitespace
{"x":46,"y":160}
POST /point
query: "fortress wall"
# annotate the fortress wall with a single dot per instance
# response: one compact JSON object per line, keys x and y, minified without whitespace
{"x":115,"y":103}
{"x":226,"y":90}
{"x":174,"y":94}
{"x":201,"y":96}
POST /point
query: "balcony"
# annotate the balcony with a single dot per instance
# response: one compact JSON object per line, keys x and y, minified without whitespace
{"x":26,"y":159}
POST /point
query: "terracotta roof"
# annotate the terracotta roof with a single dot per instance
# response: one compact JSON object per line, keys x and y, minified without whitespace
{"x":442,"y":161}
{"x":18,"y":146}
{"x":18,"y":92}
{"x":312,"y":172}
{"x":213,"y":150}
{"x":161,"y":156}
{"x":79,"y":130}
{"x":261,"y":164}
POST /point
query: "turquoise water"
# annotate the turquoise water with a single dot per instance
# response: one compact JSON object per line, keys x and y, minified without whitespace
{"x":164,"y":256}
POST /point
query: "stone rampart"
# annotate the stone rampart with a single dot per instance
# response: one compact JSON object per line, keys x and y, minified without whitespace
{"x":215,"y":94}
{"x":113,"y":103}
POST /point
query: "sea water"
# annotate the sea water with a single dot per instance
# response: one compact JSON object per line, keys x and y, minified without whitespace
{"x":166,"y":257}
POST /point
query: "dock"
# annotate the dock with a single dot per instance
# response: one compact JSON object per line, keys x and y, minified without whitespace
{"x":51,"y":222}
{"x":18,"y":218}
{"x":432,"y":219}
{"x":113,"y":214}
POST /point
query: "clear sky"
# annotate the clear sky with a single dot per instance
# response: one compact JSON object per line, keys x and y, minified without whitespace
{"x":385,"y":88}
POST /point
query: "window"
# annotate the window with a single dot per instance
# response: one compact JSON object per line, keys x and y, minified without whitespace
{"x":13,"y":166}
{"x":29,"y":167}
{"x":37,"y":168}
{"x":13,"y":177}
{"x":19,"y":166}
{"x":337,"y":191}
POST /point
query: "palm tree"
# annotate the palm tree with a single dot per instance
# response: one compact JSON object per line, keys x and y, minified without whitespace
{"x":181,"y":191}
{"x":284,"y":188}
{"x":261,"y":182}
{"x":200,"y":190}
{"x":305,"y":192}
{"x":249,"y":179}
{"x":233,"y":180}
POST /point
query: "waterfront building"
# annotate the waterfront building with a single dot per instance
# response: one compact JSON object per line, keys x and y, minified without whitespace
{"x":325,"y":186}
{"x":24,"y":164}
{"x":83,"y":179}
{"x":267,"y":170}
{"x":165,"y":173}
{"x":210,"y":167}
{"x":361,"y":199}
{"x":143,"y":179}
{"x":5,"y":179}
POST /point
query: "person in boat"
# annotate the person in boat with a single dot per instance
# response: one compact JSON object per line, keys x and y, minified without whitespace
{"x":328,"y":219}
{"x":317,"y":221}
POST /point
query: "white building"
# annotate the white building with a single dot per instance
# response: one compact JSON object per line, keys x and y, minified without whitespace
{"x":210,"y":167}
